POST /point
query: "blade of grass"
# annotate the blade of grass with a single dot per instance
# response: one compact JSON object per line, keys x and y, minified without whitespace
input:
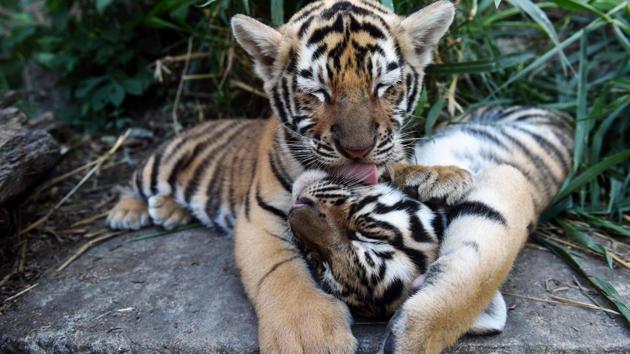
{"x":277,"y":12}
{"x":592,"y":172}
{"x":546,"y":57}
{"x":581,"y":239}
{"x":540,"y":17}
{"x":388,"y":3}
{"x":479,"y":66}
{"x":246,"y":6}
{"x":164,"y":232}
{"x":583,"y":6}
{"x":605,"y":224}
{"x":434,"y":112}
{"x":422,"y":101}
{"x":601,"y":285}
{"x":598,"y":138}
{"x":583,"y":125}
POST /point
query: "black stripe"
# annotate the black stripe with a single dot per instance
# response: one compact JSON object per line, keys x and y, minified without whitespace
{"x":270,"y":208}
{"x":209,"y":156}
{"x":304,"y":27}
{"x":155,"y":170}
{"x":475,"y":208}
{"x":280,"y":175}
{"x":184,"y":161}
{"x":274,"y":268}
{"x":319,"y":34}
{"x":478,"y":132}
{"x":472,"y":244}
{"x":536,"y":160}
{"x":411,"y":99}
{"x":545,"y":143}
{"x":138,"y":181}
{"x":305,"y":12}
{"x":203,"y":132}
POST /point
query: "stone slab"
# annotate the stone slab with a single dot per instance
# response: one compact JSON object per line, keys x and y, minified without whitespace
{"x":181,"y":294}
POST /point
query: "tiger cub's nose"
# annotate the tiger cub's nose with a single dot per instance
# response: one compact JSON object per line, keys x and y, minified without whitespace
{"x":356,"y":154}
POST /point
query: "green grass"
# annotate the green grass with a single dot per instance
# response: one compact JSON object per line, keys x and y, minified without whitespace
{"x":568,"y":55}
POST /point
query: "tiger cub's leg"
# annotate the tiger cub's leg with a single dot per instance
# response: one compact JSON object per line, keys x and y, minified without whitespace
{"x":450,"y":183}
{"x":487,"y":231}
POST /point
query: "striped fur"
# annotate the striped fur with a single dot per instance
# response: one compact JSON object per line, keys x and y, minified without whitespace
{"x":368,"y":243}
{"x":520,"y":157}
{"x":365,"y":244}
{"x":341,"y":77}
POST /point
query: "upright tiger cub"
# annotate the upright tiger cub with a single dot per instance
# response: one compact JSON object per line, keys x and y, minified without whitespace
{"x":342,"y":76}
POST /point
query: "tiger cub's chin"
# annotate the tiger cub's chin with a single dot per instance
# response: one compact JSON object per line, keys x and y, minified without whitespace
{"x":368,"y":245}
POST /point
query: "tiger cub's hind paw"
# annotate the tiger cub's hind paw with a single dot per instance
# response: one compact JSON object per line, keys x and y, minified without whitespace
{"x":165,"y":211}
{"x":449,"y":183}
{"x":130,"y":213}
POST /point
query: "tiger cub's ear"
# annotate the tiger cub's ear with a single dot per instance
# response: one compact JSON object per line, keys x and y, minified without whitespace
{"x":425,"y":27}
{"x":259,"y":40}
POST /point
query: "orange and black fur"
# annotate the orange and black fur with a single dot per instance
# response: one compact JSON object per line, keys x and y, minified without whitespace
{"x":342,"y":77}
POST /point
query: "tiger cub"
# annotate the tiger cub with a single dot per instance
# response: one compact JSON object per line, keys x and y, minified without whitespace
{"x":366,"y":244}
{"x":371,"y":245}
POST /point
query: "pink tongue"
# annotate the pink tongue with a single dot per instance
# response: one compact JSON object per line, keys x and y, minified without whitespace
{"x":361,"y":171}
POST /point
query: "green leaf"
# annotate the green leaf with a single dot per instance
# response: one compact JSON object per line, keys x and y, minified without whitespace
{"x":132,"y":86}
{"x":277,"y":12}
{"x":592,"y":172}
{"x":101,"y":5}
{"x":388,"y":3}
{"x":46,"y":59}
{"x":480,"y":66}
{"x":117,"y":94}
{"x":432,"y":117}
{"x":86,"y":86}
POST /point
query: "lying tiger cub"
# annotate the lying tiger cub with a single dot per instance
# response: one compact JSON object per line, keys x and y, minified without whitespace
{"x":374,"y":245}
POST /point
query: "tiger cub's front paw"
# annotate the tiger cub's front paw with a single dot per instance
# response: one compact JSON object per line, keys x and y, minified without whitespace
{"x":130,"y":213}
{"x":319,"y":324}
{"x":449,"y":183}
{"x":165,"y":211}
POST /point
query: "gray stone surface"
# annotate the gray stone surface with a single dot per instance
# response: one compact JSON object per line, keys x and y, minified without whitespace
{"x":181,"y":293}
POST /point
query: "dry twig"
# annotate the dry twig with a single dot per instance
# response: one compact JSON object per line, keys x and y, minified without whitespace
{"x":564,"y":301}
{"x":11,"y":298}
{"x":95,"y":167}
{"x":84,"y":249}
{"x":178,"y":96}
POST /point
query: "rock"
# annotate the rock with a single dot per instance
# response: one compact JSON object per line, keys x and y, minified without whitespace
{"x":181,"y":293}
{"x":24,"y":154}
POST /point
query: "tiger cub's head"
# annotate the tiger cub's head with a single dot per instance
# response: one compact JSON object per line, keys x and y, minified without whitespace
{"x":365,"y":244}
{"x":342,"y":75}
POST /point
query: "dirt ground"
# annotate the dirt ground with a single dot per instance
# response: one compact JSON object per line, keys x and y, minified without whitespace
{"x":26,"y":251}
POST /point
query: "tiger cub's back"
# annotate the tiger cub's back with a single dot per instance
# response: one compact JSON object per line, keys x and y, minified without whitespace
{"x":537,"y":142}
{"x":206,"y":169}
